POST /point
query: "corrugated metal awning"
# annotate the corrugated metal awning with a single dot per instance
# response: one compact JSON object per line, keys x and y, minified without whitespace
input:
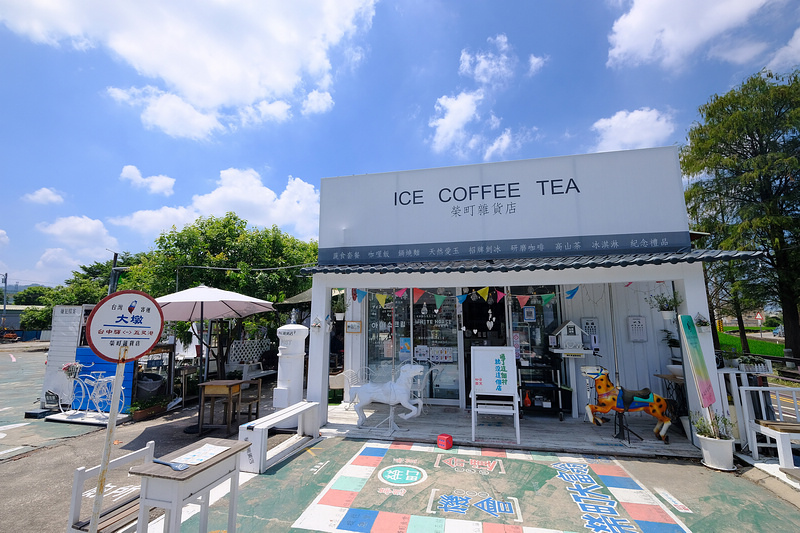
{"x":539,"y":263}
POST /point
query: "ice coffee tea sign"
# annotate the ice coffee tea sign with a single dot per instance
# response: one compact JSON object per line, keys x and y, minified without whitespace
{"x":609,"y":203}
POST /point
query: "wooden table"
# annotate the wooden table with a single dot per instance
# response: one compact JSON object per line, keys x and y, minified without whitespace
{"x":170,"y":490}
{"x":228,"y":389}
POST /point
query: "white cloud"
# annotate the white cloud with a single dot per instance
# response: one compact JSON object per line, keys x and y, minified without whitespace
{"x":627,"y":130}
{"x":317,"y":102}
{"x":489,"y":68}
{"x":787,"y":57}
{"x":242,"y":192}
{"x":263,"y":111}
{"x":499,"y":146}
{"x":83,"y":235}
{"x":210,"y":59}
{"x":453,"y":116}
{"x":738,"y":53}
{"x":535,"y":64}
{"x":154,"y":184}
{"x":4,"y":237}
{"x":56,"y":264}
{"x":45,"y":195}
{"x":668,"y":31}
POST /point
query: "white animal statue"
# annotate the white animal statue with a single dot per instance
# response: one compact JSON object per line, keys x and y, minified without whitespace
{"x":391,"y":393}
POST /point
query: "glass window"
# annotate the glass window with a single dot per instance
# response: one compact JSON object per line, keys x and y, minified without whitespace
{"x":436,"y":341}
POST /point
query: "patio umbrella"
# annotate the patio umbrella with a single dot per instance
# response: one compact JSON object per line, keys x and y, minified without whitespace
{"x":201,"y":303}
{"x":209,"y":303}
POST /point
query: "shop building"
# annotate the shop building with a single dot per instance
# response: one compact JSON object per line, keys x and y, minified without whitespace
{"x":434,"y":262}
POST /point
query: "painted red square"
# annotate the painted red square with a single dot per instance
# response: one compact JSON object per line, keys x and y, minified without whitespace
{"x":609,"y":470}
{"x":493,"y":452}
{"x":491,"y":527}
{"x":647,"y":513}
{"x":338,"y":498}
{"x":367,"y":460}
{"x":401,"y":445}
{"x":391,"y":523}
{"x":444,"y":441}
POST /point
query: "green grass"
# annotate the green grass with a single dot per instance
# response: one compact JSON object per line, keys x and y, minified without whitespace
{"x":729,"y":342}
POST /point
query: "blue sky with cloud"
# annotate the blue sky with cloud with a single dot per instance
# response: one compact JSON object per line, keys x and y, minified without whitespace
{"x":121,"y":120}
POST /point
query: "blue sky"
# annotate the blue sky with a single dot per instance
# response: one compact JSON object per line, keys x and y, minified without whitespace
{"x":119,"y":120}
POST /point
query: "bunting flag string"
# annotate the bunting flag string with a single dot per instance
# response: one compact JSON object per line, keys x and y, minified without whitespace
{"x":417,"y":293}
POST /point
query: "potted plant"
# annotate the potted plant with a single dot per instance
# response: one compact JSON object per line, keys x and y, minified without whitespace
{"x":702,"y":323}
{"x":339,"y":306}
{"x":672,"y":341}
{"x":716,"y":443}
{"x":666,"y":303}
{"x":755,"y":364}
{"x":149,"y":407}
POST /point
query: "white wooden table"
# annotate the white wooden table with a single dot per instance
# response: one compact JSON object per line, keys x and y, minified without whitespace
{"x":170,"y":490}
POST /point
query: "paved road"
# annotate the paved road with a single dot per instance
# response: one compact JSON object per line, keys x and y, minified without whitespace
{"x":35,"y":484}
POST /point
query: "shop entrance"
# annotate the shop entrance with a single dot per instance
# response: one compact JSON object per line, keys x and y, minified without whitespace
{"x":483,"y":315}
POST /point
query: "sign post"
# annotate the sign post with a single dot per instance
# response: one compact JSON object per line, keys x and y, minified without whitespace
{"x":123,"y":327}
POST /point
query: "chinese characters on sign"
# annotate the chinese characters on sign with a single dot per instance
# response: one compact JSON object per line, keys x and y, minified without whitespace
{"x":501,"y":373}
{"x":124,"y":326}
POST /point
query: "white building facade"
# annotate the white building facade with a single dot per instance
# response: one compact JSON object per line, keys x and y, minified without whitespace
{"x":436,"y":261}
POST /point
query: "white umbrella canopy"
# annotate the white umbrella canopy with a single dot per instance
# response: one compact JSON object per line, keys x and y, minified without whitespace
{"x":208,"y":303}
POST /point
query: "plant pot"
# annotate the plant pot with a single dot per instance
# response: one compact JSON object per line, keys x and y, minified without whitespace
{"x":717,"y":453}
{"x":668,"y":315}
{"x":704,"y":329}
{"x":142,"y":414}
{"x":339,"y":316}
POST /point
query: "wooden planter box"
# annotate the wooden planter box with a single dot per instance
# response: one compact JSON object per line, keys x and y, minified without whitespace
{"x":143,"y":414}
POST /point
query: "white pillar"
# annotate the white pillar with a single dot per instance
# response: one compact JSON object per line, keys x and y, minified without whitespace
{"x":291,"y":356}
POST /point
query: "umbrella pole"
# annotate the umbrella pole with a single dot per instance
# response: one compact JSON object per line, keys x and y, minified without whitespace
{"x":203,"y":355}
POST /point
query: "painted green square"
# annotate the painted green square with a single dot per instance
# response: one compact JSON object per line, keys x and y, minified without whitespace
{"x":352,"y":484}
{"x":544,"y":458}
{"x":425,"y":524}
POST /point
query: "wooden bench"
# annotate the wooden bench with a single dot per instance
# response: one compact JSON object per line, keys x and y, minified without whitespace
{"x":250,"y":371}
{"x":113,"y":517}
{"x":776,"y":417}
{"x":258,"y":458}
{"x":783,"y":433}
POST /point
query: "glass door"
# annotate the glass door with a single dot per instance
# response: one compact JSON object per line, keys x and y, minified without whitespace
{"x":435,"y":334}
{"x":484,"y":324}
{"x":388,"y":335}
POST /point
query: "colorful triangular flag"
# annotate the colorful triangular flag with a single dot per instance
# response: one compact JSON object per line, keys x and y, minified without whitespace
{"x":523,"y":299}
{"x":571,"y":293}
{"x":440,"y":298}
{"x":381,"y":299}
{"x":360,"y":295}
{"x":484,"y":293}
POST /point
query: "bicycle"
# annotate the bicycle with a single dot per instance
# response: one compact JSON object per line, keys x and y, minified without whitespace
{"x":102,"y":391}
{"x":77,"y":392}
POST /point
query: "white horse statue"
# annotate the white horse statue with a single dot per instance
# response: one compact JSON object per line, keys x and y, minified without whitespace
{"x":391,"y":393}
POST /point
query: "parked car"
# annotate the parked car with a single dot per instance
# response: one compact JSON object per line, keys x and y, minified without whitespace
{"x":778,"y":332}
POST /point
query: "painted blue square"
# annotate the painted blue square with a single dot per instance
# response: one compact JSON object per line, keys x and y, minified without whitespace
{"x":658,"y":527}
{"x":358,"y":520}
{"x":374,"y":452}
{"x":619,"y":482}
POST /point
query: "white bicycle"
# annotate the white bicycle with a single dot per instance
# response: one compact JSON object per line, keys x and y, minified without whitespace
{"x":76,"y":395}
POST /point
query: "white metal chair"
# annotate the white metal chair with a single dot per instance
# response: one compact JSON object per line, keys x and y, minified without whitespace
{"x":420,"y":387}
{"x":352,"y":382}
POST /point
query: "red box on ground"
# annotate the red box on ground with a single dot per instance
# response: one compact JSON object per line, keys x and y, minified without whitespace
{"x":444,"y":441}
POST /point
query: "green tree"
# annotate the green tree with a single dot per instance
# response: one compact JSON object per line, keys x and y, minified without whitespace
{"x":223,"y":252}
{"x":746,"y":153}
{"x":33,"y":295}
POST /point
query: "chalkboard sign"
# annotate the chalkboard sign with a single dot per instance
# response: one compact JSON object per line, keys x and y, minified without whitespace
{"x":494,"y":370}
